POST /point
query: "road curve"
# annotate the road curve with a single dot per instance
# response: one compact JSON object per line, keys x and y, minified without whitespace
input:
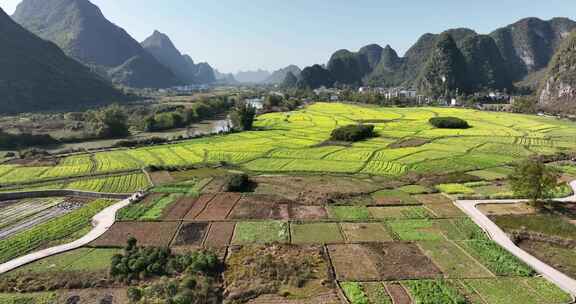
{"x":470,"y":208}
{"x":101,"y":222}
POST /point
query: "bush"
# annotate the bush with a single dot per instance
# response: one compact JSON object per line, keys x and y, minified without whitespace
{"x":449,"y":123}
{"x":353,"y":133}
{"x":238,"y":183}
{"x":18,"y":141}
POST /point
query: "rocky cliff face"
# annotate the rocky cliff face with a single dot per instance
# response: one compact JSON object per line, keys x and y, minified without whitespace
{"x":494,"y":61}
{"x":80,"y":29}
{"x":529,"y":44}
{"x":558,"y":92}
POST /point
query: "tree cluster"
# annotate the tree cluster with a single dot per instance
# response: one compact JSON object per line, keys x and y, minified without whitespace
{"x":353,"y":133}
{"x":449,"y":123}
{"x":178,"y":117}
{"x":193,"y":275}
{"x":243,"y":116}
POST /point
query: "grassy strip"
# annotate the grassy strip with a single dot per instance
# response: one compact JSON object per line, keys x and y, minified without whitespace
{"x":155,"y":212}
{"x":433,"y":292}
{"x":354,"y":293}
{"x":26,"y":241}
{"x":497,"y":259}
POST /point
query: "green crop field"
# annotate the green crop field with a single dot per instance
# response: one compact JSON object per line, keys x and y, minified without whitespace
{"x":288,"y":143}
{"x":53,"y":230}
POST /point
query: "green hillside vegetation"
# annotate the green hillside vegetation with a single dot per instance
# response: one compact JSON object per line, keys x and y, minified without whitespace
{"x":36,"y":75}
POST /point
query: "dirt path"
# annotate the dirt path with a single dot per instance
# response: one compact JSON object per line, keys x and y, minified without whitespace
{"x":101,"y":222}
{"x":470,"y":207}
{"x":398,"y":294}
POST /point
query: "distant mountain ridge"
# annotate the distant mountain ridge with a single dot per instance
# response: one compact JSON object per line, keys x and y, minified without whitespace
{"x":279,"y":75}
{"x":80,"y":29}
{"x":36,"y":75}
{"x":253,"y":77}
{"x":491,"y":61}
{"x":162,"y":48}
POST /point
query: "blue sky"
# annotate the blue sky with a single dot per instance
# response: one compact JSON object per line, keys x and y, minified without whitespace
{"x":237,"y":35}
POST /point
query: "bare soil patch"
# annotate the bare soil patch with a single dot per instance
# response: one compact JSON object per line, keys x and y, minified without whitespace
{"x":191,"y":234}
{"x":312,"y":190}
{"x":433,"y":199}
{"x":381,"y":262}
{"x":198,"y":205}
{"x":216,"y":185}
{"x":303,"y":212}
{"x":93,"y":296}
{"x":407,"y":143}
{"x":507,"y":209}
{"x":365,"y":232}
{"x":330,"y":297}
{"x":161,"y":178}
{"x":298,"y":272}
{"x":219,"y":234}
{"x":147,"y":233}
{"x":398,"y":293}
{"x":220,"y":207}
{"x":261,"y":207}
{"x":178,"y":210}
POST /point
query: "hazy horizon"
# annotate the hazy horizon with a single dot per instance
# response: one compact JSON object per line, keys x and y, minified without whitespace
{"x":242,"y":36}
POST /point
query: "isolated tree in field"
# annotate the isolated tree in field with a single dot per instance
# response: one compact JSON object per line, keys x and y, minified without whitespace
{"x":243,"y":116}
{"x":110,"y":122}
{"x":534,"y":180}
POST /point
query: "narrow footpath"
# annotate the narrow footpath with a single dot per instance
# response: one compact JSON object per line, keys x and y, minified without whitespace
{"x":101,"y":223}
{"x":470,"y":207}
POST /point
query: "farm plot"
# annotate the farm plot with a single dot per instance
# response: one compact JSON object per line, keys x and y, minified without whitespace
{"x":191,"y":234}
{"x":261,"y":207}
{"x":134,"y":211}
{"x":365,"y":232}
{"x":219,"y":234}
{"x":495,"y":258}
{"x":440,"y":205}
{"x":384,"y":168}
{"x":381,"y":262}
{"x":260,"y":232}
{"x":518,"y":291}
{"x":349,"y":212}
{"x":79,"y":260}
{"x":71,"y":166}
{"x":399,"y":212}
{"x":116,"y":161}
{"x":29,"y":298}
{"x":303,"y":212}
{"x":157,"y":234}
{"x":434,"y":291}
{"x":53,"y":230}
{"x":315,"y":233}
{"x":219,"y":207}
{"x":112,"y":184}
{"x":198,"y":205}
{"x":453,"y":261}
{"x":14,"y":211}
{"x":394,"y":197}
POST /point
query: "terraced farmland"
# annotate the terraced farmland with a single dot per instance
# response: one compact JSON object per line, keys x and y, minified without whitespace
{"x":288,"y":143}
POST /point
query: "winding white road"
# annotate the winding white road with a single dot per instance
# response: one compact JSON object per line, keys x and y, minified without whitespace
{"x":470,"y":208}
{"x":101,"y":222}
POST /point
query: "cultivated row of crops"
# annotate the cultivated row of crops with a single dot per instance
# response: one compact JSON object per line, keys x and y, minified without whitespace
{"x":291,"y":142}
{"x":53,"y":230}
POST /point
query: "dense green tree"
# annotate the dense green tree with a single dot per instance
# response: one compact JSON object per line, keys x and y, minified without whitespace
{"x":110,"y":122}
{"x":533,"y":179}
{"x":315,"y":77}
{"x":243,"y":116}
